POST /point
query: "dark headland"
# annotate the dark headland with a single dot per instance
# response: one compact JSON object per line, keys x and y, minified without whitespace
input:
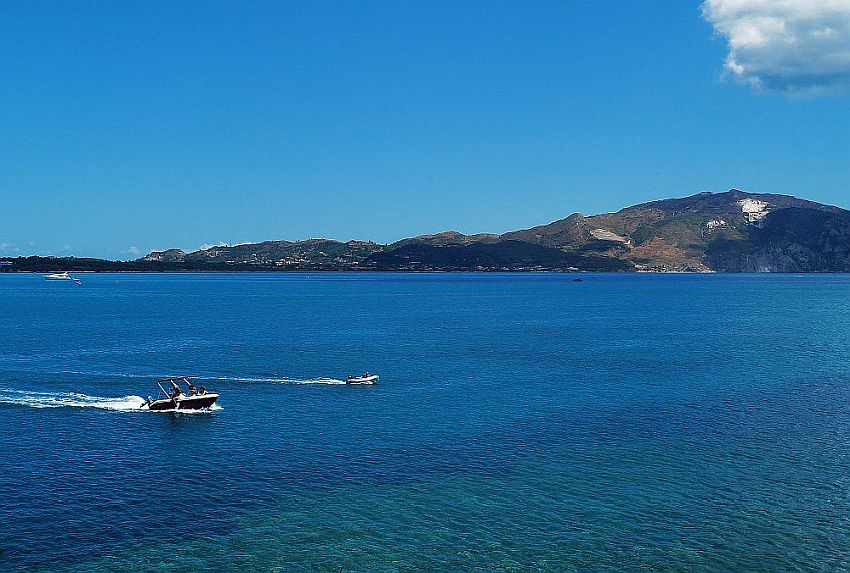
{"x":709,"y":232}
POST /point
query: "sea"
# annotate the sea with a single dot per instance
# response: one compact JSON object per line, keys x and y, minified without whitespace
{"x":522,"y":422}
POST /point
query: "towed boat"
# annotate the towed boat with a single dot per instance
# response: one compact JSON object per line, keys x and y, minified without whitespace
{"x":365,"y":378}
{"x":176,"y":399}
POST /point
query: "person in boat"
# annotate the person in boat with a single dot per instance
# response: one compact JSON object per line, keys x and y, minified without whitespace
{"x":192,"y":390}
{"x":176,"y":392}
{"x":202,"y":390}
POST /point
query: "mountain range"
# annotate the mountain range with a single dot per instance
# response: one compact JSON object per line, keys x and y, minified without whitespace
{"x":708,"y":232}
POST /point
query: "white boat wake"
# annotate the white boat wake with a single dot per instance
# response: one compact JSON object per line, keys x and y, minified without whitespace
{"x":132,"y":403}
{"x":271,"y":380}
{"x":206,"y":377}
{"x":69,"y":400}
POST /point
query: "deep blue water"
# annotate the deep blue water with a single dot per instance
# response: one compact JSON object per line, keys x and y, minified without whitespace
{"x":521,"y":423}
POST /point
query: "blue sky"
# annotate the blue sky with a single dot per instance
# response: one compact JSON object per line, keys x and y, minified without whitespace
{"x":130,"y":126}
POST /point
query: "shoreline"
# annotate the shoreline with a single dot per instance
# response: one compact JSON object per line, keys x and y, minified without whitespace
{"x":418,"y":272}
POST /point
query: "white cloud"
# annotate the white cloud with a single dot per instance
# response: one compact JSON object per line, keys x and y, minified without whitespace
{"x":134,"y":251}
{"x":796,"y":47}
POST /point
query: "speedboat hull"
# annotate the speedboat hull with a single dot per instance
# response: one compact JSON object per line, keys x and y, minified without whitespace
{"x":371,"y":379}
{"x":199,"y":402}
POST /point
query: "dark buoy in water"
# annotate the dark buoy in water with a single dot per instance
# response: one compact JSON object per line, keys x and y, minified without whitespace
{"x":578,"y":280}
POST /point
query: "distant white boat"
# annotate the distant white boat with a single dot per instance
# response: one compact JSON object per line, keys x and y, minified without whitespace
{"x":63,"y":276}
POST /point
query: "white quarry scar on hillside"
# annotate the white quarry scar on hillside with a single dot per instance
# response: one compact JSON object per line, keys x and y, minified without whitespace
{"x":605,"y":235}
{"x":753,"y":209}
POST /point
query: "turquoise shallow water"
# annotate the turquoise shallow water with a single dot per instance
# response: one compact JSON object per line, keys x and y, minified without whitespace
{"x":522,"y":423}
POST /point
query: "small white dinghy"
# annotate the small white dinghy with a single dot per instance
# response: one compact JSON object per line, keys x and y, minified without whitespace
{"x":365,"y":378}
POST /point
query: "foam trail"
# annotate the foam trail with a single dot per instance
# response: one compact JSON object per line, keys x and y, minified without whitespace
{"x":331,"y":381}
{"x":68,"y":400}
{"x":210,"y":377}
{"x":273,"y":380}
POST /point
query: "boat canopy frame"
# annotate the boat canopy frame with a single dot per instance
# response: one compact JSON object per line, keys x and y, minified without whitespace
{"x":173,"y":381}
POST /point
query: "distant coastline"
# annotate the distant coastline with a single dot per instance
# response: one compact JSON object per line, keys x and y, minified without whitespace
{"x":731,"y":232}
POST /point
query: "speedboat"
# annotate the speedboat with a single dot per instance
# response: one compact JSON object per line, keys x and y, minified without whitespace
{"x":365,"y":378}
{"x":177,"y":399}
{"x":63,"y":276}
